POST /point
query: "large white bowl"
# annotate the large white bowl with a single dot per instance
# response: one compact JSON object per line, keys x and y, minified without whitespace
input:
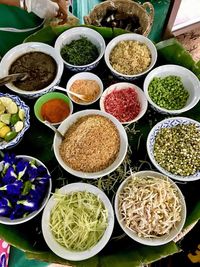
{"x":62,"y":251}
{"x":76,"y":33}
{"x":20,"y":104}
{"x":91,"y":175}
{"x":8,"y":221}
{"x":22,"y":49}
{"x":123,"y":85}
{"x":168,"y":123}
{"x":151,"y":241}
{"x":84,"y":76}
{"x":132,"y":37}
{"x":190,"y":81}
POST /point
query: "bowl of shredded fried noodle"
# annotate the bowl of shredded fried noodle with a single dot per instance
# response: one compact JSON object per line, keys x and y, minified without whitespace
{"x":150,"y":208}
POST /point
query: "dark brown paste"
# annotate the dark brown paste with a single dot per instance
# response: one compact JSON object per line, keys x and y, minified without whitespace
{"x":41,"y":69}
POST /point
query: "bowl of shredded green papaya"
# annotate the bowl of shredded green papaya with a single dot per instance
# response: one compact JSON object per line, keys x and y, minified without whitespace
{"x":77,"y":221}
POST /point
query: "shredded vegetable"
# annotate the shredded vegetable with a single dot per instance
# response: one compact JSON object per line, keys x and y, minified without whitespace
{"x":150,"y":206}
{"x":78,"y":220}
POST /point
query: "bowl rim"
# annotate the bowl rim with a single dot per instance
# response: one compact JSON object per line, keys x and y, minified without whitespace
{"x":38,"y":105}
{"x":45,"y":200}
{"x":132,"y":37}
{"x":80,"y":31}
{"x":26,"y":109}
{"x":151,"y":241}
{"x":87,"y":73}
{"x":91,"y":175}
{"x":32,"y":46}
{"x":122,"y":86}
{"x":189,"y":178}
{"x":64,"y":252}
{"x":166,"y":68}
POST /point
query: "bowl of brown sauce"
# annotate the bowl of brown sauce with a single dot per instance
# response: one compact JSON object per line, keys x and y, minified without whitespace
{"x":41,"y":63}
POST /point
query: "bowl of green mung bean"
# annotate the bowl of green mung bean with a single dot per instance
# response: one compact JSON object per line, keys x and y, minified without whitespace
{"x":172,"y":89}
{"x":81,"y":48}
{"x":173,"y":146}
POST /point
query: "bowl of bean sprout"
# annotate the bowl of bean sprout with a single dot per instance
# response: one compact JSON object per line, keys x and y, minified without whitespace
{"x":150,"y":208}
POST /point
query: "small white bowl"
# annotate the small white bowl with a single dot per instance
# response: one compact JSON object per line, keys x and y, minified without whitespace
{"x":190,"y":81}
{"x":64,"y":252}
{"x":132,"y":37}
{"x":84,"y":76}
{"x":22,"y":49}
{"x":20,"y":104}
{"x":91,"y":175}
{"x":168,"y":123}
{"x":8,"y":221}
{"x":123,"y":85}
{"x":76,"y":33}
{"x":151,"y":241}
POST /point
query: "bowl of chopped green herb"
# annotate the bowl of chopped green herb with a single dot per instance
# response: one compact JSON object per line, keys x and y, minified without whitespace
{"x":173,"y":146}
{"x":77,"y":221}
{"x":81,"y":48}
{"x":172,"y":89}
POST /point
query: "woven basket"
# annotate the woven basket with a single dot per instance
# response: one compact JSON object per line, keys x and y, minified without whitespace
{"x":125,"y":6}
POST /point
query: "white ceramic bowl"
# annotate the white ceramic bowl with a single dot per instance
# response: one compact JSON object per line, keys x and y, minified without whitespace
{"x":168,"y":123}
{"x":91,"y":175}
{"x":85,"y":76}
{"x":64,"y":252}
{"x":76,"y":33}
{"x":190,"y":81}
{"x":18,"y":138}
{"x":123,"y":85}
{"x":8,"y":221}
{"x":133,"y":37}
{"x":22,"y":49}
{"x":151,"y":241}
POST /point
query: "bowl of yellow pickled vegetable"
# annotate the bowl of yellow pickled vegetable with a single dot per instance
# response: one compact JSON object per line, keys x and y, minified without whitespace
{"x":77,"y":221}
{"x":14,"y":120}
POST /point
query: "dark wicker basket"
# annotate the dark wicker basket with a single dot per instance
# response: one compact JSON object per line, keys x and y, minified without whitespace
{"x":124,"y":6}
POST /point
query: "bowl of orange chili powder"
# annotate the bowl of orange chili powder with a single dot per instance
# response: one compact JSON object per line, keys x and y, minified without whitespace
{"x":53,"y":107}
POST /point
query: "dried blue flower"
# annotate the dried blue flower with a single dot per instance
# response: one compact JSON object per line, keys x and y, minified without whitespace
{"x":10,"y":176}
{"x":13,"y":189}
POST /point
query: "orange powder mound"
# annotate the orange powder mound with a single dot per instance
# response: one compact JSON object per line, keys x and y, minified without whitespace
{"x":55,"y":110}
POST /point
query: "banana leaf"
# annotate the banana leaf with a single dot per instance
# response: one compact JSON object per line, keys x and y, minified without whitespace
{"x":48,"y":34}
{"x":173,"y":52}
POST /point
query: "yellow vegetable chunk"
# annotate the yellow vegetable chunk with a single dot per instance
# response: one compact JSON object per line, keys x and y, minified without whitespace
{"x":4,"y":130}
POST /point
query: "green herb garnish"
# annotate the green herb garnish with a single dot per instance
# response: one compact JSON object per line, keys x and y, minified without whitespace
{"x":80,"y":52}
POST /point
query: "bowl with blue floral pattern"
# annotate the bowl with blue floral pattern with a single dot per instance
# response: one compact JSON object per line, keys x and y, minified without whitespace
{"x":14,"y":120}
{"x":25,"y":187}
{"x":173,"y":146}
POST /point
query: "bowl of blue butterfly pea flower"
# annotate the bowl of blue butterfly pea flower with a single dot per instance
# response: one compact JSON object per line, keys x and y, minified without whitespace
{"x":25,"y":187}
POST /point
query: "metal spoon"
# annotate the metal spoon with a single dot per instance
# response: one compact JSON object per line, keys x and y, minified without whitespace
{"x":82,"y":97}
{"x":47,"y":123}
{"x":13,"y":77}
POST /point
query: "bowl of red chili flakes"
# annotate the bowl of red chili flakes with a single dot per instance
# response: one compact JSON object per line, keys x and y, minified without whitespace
{"x":125,"y":101}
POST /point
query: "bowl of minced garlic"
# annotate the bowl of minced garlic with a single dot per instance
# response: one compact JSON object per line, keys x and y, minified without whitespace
{"x":87,"y":85}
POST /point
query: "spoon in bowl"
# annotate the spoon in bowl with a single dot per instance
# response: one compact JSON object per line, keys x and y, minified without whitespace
{"x":12,"y":78}
{"x":47,"y":123}
{"x":82,"y":97}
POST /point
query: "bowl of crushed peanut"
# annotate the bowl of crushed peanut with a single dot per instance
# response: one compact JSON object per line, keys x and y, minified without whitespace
{"x":94,"y":144}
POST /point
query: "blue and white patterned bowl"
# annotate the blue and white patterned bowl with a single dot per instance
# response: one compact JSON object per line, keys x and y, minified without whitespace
{"x":22,"y":49}
{"x":168,"y":123}
{"x":18,"y":138}
{"x":76,"y":33}
{"x":133,"y":37}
